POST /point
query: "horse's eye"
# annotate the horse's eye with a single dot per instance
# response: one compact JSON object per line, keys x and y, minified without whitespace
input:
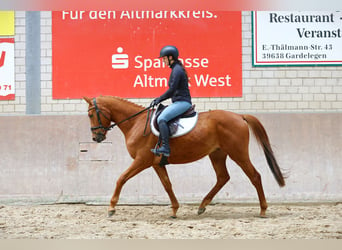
{"x":91,"y":115}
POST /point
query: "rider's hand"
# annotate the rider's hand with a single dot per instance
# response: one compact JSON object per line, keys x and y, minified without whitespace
{"x":155,"y":102}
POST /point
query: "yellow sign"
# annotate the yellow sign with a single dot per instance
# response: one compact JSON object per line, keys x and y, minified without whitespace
{"x":6,"y":23}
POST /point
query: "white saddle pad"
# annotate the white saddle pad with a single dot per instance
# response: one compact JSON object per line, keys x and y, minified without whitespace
{"x":185,"y":125}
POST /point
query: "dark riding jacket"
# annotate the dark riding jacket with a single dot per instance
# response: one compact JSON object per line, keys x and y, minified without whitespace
{"x":178,"y":85}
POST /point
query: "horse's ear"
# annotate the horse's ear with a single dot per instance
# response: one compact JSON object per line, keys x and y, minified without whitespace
{"x":87,"y":99}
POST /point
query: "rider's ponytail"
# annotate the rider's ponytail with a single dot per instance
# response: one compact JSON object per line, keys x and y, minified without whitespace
{"x":186,"y":72}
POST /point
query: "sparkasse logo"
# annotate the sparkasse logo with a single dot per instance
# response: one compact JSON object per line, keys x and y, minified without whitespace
{"x":120,"y":60}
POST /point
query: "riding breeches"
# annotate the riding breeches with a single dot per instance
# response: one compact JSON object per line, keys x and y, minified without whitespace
{"x":173,"y":110}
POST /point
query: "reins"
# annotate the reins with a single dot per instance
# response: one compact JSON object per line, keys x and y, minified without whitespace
{"x":148,"y":119}
{"x":98,"y":112}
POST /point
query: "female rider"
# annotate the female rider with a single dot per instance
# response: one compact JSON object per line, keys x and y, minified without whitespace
{"x":178,"y":92}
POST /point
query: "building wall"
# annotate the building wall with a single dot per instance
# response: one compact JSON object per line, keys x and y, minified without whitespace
{"x":52,"y":159}
{"x":265,"y":89}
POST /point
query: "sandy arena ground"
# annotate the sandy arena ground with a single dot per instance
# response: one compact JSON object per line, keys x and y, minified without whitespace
{"x":220,"y":221}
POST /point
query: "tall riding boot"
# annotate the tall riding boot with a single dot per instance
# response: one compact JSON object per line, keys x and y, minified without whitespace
{"x":164,"y":134}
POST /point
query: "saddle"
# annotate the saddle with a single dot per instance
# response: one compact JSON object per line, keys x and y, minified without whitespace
{"x":178,"y":126}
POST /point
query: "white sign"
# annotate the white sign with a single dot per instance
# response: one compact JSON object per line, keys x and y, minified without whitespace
{"x":7,"y":88}
{"x":297,"y":38}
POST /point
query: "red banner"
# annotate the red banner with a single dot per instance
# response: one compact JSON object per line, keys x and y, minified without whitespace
{"x":116,"y":52}
{"x":7,"y":87}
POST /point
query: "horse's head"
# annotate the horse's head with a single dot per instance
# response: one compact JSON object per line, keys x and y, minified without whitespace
{"x":99,"y":120}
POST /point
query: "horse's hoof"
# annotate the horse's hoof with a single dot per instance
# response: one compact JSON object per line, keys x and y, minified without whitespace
{"x":173,"y":217}
{"x":201,"y":210}
{"x":111,"y":212}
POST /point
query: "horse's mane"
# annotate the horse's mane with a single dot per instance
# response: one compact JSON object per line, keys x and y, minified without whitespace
{"x":127,"y":102}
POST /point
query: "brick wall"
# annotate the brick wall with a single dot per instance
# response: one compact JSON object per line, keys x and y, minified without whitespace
{"x":269,"y":89}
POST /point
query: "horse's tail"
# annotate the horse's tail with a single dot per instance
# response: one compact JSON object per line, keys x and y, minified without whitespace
{"x":262,"y":138}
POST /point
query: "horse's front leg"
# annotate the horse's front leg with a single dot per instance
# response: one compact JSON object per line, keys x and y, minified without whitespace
{"x":135,"y":168}
{"x":164,"y":178}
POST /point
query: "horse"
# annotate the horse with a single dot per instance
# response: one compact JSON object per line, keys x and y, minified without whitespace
{"x":218,"y":134}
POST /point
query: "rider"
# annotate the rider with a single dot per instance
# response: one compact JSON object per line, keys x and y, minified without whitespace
{"x":178,"y":92}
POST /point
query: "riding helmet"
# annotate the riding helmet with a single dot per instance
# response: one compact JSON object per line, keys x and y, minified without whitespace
{"x":169,"y":50}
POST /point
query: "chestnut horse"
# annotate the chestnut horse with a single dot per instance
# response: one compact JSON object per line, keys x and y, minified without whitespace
{"x":218,"y":134}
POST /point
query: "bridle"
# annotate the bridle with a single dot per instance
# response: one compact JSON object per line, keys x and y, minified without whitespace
{"x":98,"y":112}
{"x":100,"y":126}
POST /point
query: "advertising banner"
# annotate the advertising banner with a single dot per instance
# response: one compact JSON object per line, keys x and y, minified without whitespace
{"x":297,"y":38}
{"x":116,"y":52}
{"x":7,"y":88}
{"x":6,"y":23}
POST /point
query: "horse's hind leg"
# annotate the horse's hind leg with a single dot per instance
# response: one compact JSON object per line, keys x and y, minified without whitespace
{"x":164,"y":178}
{"x":255,"y":178}
{"x":218,"y":159}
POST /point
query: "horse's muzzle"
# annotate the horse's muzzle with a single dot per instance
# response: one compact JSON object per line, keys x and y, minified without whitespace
{"x":99,"y":137}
